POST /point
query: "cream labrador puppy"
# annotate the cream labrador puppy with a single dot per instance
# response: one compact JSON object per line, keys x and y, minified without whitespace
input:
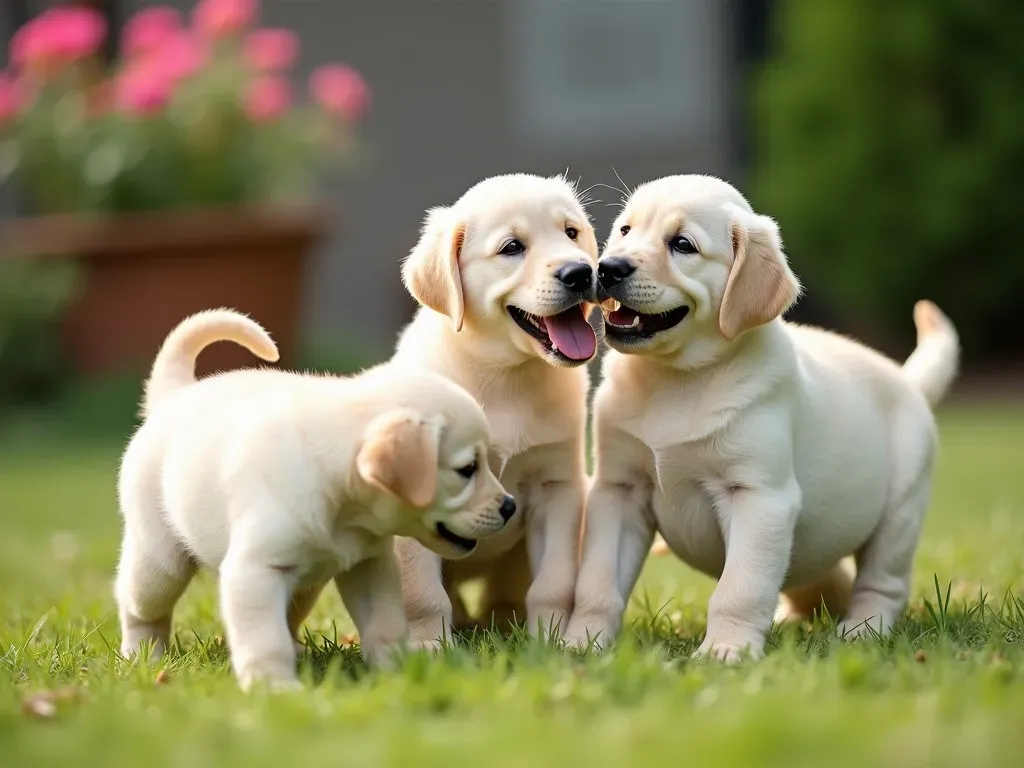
{"x":503,"y":277}
{"x":763,"y":452}
{"x":281,"y":482}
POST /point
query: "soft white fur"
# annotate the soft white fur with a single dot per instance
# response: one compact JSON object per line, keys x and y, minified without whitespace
{"x":535,"y":403}
{"x":282,"y":482}
{"x":763,"y":452}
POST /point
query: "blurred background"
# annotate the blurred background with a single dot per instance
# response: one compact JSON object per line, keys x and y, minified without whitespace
{"x":885,"y":138}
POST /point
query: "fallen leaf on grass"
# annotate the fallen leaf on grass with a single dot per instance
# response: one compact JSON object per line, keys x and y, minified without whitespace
{"x":43,"y":704}
{"x":39,"y":706}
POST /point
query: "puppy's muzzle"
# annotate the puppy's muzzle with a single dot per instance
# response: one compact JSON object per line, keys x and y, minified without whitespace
{"x":507,"y":508}
{"x":611,"y":272}
{"x":577,"y":277}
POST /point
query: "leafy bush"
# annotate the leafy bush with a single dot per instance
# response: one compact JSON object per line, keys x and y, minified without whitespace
{"x":891,"y":150}
{"x":33,"y":297}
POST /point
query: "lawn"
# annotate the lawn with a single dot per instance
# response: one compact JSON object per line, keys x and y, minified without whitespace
{"x":947,"y":689}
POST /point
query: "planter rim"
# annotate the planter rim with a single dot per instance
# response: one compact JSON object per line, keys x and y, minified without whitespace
{"x":126,"y":234}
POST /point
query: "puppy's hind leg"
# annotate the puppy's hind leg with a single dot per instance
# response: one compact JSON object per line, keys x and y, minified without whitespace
{"x":833,"y":589}
{"x":153,"y":573}
{"x":255,"y":596}
{"x":884,"y":566}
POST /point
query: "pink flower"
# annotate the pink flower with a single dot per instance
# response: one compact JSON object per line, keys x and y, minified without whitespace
{"x":267,"y":98}
{"x":10,"y":98}
{"x":144,"y":90}
{"x":341,"y":90}
{"x":221,"y":18}
{"x":150,"y":28}
{"x":181,"y":56}
{"x":58,"y":37}
{"x":267,"y":50}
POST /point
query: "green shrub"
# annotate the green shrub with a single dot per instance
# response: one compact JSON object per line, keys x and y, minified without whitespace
{"x":890,"y":147}
{"x":33,"y":296}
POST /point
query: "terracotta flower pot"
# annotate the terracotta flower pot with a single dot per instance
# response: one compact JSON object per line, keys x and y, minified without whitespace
{"x":142,"y":273}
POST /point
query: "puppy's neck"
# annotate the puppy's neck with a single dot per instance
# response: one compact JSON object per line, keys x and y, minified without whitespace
{"x":708,"y":351}
{"x":471,"y":351}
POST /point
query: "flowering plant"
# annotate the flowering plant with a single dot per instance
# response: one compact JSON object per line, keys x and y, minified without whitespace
{"x":193,"y":114}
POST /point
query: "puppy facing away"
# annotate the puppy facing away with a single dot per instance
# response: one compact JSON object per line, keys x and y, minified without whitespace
{"x":764,"y":453}
{"x":503,"y":277}
{"x":282,"y":482}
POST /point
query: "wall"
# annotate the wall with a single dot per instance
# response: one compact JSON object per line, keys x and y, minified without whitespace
{"x":464,"y":89}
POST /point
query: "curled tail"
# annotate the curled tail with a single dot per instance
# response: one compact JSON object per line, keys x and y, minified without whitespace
{"x":175,"y":364}
{"x":933,"y":365}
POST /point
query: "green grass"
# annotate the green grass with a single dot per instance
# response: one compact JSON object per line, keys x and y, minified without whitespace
{"x":947,"y":689}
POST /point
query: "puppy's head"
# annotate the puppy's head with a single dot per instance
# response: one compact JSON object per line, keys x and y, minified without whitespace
{"x":432,"y":459}
{"x":512,"y":263}
{"x":689,"y":264}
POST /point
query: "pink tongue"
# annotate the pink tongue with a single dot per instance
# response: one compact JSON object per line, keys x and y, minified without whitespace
{"x":572,"y":334}
{"x":622,"y":316}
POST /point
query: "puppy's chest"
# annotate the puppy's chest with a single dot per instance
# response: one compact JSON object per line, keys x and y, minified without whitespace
{"x":342,"y":551}
{"x":689,"y":483}
{"x":517,"y":427}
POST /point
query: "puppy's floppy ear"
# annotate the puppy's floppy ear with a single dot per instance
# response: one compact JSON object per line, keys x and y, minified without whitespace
{"x":431,"y":272}
{"x":761,"y":285}
{"x":399,"y":456}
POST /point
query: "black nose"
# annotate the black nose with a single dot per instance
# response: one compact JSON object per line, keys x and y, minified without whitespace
{"x":576,"y":277}
{"x":507,"y":508}
{"x":614,"y":270}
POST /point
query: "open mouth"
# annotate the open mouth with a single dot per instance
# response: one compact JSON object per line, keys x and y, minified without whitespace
{"x":567,"y":334}
{"x":626,"y":324}
{"x":453,"y":538}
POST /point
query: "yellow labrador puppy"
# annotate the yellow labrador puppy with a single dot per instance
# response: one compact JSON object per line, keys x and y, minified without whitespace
{"x":281,"y":482}
{"x":763,"y":452}
{"x":503,"y":277}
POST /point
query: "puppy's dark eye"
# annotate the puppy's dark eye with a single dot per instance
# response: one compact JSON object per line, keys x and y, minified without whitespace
{"x":572,"y":233}
{"x":467,"y":471}
{"x":624,"y":230}
{"x":682,"y":244}
{"x":511,"y":248}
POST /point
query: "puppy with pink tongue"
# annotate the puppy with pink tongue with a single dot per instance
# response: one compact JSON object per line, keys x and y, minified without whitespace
{"x":504,"y":277}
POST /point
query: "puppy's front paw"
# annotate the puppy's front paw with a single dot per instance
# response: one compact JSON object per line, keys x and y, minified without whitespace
{"x":381,"y":655}
{"x":276,"y":681}
{"x":430,"y":646}
{"x":593,"y":634}
{"x":729,"y":652}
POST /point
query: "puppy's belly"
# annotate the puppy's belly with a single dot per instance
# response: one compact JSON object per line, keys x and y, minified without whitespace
{"x":688,"y":524}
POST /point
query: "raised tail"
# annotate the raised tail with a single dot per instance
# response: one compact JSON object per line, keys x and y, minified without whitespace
{"x":934,"y":364}
{"x":175,"y":364}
